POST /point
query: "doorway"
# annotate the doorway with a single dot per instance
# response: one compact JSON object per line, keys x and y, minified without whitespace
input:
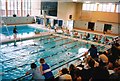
{"x":107,"y":27}
{"x":91,"y":25}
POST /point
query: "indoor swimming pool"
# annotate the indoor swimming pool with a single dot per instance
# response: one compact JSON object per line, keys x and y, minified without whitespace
{"x":16,"y":60}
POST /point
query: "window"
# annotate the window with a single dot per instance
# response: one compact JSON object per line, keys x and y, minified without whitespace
{"x":85,"y":7}
{"x":100,"y":7}
{"x":26,"y":7}
{"x":118,"y":8}
{"x":93,"y":7}
{"x":14,"y":7}
{"x":111,"y":7}
{"x":90,"y":7}
{"x":108,"y":7}
{"x":2,"y":8}
{"x":18,"y":8}
{"x":10,"y":8}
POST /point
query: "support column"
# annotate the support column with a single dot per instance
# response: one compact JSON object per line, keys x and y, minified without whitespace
{"x":6,"y":5}
{"x":44,"y":14}
{"x":21,"y":8}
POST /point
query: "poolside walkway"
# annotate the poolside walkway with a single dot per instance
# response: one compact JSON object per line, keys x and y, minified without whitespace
{"x":95,"y":32}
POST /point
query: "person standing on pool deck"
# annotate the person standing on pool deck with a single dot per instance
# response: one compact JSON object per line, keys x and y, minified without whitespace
{"x":15,"y":32}
{"x":93,"y":52}
{"x":46,"y":71}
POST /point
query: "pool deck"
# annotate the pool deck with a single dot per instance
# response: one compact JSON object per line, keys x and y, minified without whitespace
{"x":96,"y":32}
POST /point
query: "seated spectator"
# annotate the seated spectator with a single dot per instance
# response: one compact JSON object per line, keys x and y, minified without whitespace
{"x":106,"y":40}
{"x":115,"y":51}
{"x":36,"y":74}
{"x":68,"y":32}
{"x":84,"y":36}
{"x":103,"y":58}
{"x":95,"y":38}
{"x":97,"y":73}
{"x":74,"y":72}
{"x":81,"y":36}
{"x":116,"y":75}
{"x":65,"y":75}
{"x":88,"y":36}
{"x":76,"y":34}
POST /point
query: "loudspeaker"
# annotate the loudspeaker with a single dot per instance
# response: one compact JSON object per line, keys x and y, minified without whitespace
{"x":70,"y":16}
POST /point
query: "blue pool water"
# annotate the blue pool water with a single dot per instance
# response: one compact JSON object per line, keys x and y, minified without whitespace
{"x":16,"y":60}
{"x":8,"y":31}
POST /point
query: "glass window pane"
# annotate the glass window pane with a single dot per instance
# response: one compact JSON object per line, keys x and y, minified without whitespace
{"x":112,"y":7}
{"x":104,"y":8}
{"x":118,"y":8}
{"x":93,"y":7}
{"x":2,"y":8}
{"x":84,"y":7}
{"x":19,"y":8}
{"x":88,"y":6}
{"x":108,"y":7}
{"x":100,"y":7}
{"x":15,"y":6}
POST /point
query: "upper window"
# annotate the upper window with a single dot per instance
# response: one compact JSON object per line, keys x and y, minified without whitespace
{"x":118,"y":8}
{"x":105,"y":7}
{"x":90,"y":7}
{"x":108,"y":7}
{"x":2,"y":8}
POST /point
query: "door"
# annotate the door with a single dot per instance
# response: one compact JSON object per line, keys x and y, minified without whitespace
{"x":91,"y":25}
{"x":107,"y":27}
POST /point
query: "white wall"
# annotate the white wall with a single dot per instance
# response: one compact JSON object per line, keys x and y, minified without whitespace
{"x":17,"y":20}
{"x":65,"y":9}
{"x":115,"y":28}
{"x":99,"y":26}
{"x":81,"y":24}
